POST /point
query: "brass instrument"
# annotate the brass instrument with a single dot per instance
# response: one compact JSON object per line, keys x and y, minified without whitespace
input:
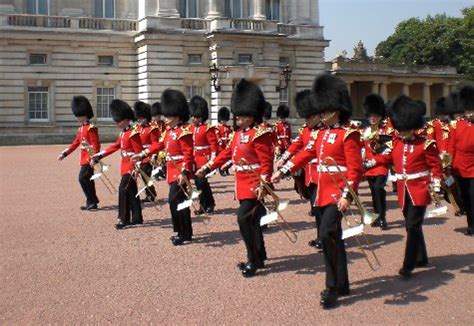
{"x":439,"y":209}
{"x":446,"y":161}
{"x":273,"y":207}
{"x":377,"y":142}
{"x":190,"y":192}
{"x":367,"y":217}
{"x":102,"y":168}
{"x":147,"y":181}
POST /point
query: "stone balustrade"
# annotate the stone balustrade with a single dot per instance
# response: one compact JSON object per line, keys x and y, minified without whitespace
{"x":247,"y":24}
{"x":194,"y":24}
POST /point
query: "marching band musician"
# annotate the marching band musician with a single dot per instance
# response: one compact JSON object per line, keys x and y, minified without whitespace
{"x":461,"y":148}
{"x":156,"y":117}
{"x":266,"y":124}
{"x":149,"y":133}
{"x":177,"y":141}
{"x":250,"y":150}
{"x":283,"y":128}
{"x":129,"y":143}
{"x":417,"y":167}
{"x":158,"y":158}
{"x":205,"y":149}
{"x":342,"y":143}
{"x":375,"y":137}
{"x":439,"y":127}
{"x":87,"y":135}
{"x":306,"y":109}
{"x":224,"y":134}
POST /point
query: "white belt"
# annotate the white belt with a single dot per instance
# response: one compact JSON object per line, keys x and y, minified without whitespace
{"x":331,"y":168}
{"x":314,"y":161}
{"x":412,"y":176}
{"x":283,"y":137}
{"x":174,"y":158}
{"x":127,"y":154}
{"x":198,"y":148}
{"x":246,"y":167}
{"x":146,"y":145}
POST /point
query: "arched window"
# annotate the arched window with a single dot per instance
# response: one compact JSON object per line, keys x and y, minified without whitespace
{"x":273,"y":9}
{"x":189,"y":8}
{"x":105,"y":8}
{"x":37,"y":7}
{"x":233,"y":8}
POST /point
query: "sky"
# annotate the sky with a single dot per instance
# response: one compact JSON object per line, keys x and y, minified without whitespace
{"x":372,"y":21}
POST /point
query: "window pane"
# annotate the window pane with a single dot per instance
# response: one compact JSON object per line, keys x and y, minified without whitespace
{"x":43,"y":7}
{"x":99,"y":12}
{"x":276,"y":10}
{"x":31,"y":7}
{"x":236,"y":10}
{"x":192,"y":10}
{"x":268,"y":9}
{"x":37,"y":59}
{"x":182,"y":8}
{"x":109,"y":9}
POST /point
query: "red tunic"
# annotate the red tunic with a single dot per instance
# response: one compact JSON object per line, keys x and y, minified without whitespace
{"x":415,"y":162}
{"x":283,"y":132}
{"x":148,"y":135}
{"x":224,"y":132}
{"x":439,"y":132}
{"x":254,"y":144}
{"x":87,"y":134}
{"x":461,"y":148}
{"x":342,"y":144}
{"x":129,"y":144}
{"x":372,"y":148}
{"x":271,"y":129}
{"x":205,"y":144}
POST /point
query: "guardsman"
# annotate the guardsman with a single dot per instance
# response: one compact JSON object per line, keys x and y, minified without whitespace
{"x":266,"y":124}
{"x":418,"y":168}
{"x":129,"y":143}
{"x":158,"y":158}
{"x":224,"y":130}
{"x":461,"y":149}
{"x":205,"y":150}
{"x":339,"y":142}
{"x":177,"y":142}
{"x":251,"y":152}
{"x":283,"y":128}
{"x":306,"y":109}
{"x":88,"y":139}
{"x":376,"y":138}
{"x":149,"y":134}
{"x":439,"y":127}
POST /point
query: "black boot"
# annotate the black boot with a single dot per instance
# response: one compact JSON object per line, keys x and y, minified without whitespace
{"x":328,"y":298}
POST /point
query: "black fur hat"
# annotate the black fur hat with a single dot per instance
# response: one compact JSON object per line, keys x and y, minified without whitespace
{"x":267,"y":111}
{"x":305,"y":104}
{"x":142,"y":110}
{"x":406,"y":114}
{"x":81,"y":107}
{"x":374,"y":104}
{"x":156,"y":109}
{"x":331,"y":95}
{"x":283,"y":111}
{"x":120,"y":111}
{"x":452,"y":104}
{"x":174,"y":104}
{"x":198,"y":108}
{"x":223,"y":114}
{"x":466,"y":98}
{"x":440,"y":106}
{"x":247,"y":100}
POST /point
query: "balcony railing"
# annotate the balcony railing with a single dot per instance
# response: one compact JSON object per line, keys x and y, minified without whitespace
{"x":286,"y":29}
{"x":247,"y":24}
{"x":194,"y":23}
{"x":39,"y":21}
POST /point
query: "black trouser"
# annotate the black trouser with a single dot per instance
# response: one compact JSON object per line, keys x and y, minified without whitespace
{"x":88,"y":186}
{"x":206,"y":199}
{"x":335,"y":259}
{"x":415,"y":250}
{"x":248,"y":216}
{"x":379,"y":195}
{"x":181,"y":219}
{"x":150,"y":191}
{"x":313,"y":188}
{"x":467,"y":193}
{"x":128,"y":201}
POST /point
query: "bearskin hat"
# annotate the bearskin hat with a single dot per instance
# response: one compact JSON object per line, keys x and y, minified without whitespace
{"x":174,"y":104}
{"x":267,"y":111}
{"x":247,"y":100}
{"x":223,"y":114}
{"x":331,"y":95}
{"x":374,"y":104}
{"x":120,"y":111}
{"x":142,"y":110}
{"x":406,"y":114}
{"x":81,"y":107}
{"x":466,"y":98}
{"x":305,"y":104}
{"x":440,"y":106}
{"x":452,"y":104}
{"x":198,"y":108}
{"x":283,"y":111}
{"x":156,"y":109}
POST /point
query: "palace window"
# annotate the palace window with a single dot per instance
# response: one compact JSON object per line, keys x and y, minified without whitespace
{"x":195,"y":59}
{"x":273,"y":9}
{"x":245,"y":59}
{"x":192,"y":90}
{"x":189,"y":8}
{"x":38,"y":103}
{"x":233,"y":8}
{"x":284,"y":96}
{"x":37,"y":7}
{"x":105,"y":95}
{"x":284,"y":61}
{"x":105,"y":8}
{"x":105,"y":60}
{"x":38,"y":59}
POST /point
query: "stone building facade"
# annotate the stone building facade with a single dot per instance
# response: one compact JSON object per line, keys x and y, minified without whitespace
{"x":51,"y":50}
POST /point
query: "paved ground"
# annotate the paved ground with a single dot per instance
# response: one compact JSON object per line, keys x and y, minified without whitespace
{"x":61,"y":265}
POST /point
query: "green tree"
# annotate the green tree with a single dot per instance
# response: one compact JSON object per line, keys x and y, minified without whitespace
{"x":434,"y":41}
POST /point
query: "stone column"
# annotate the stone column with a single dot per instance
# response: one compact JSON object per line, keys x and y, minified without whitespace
{"x":7,"y":7}
{"x":304,"y":12}
{"x":167,"y":8}
{"x":427,"y":97}
{"x":147,"y":8}
{"x":375,"y":87}
{"x":132,"y":9}
{"x":258,"y":10}
{"x":314,"y":15}
{"x":406,"y":89}
{"x":445,"y":89}
{"x":383,"y":90}
{"x":213,"y":11}
{"x":349,"y":84}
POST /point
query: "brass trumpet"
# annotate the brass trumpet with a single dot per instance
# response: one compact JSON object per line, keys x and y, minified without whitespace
{"x":102,"y":168}
{"x":367,"y":217}
{"x":273,"y":207}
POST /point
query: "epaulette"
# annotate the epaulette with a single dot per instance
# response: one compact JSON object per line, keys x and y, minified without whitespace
{"x":430,"y":123}
{"x":154,"y":126}
{"x":430,"y":130}
{"x":314,"y":134}
{"x":349,"y":131}
{"x":390,"y":131}
{"x":261,"y":131}
{"x":389,"y":144}
{"x":185,"y":131}
{"x":92,"y":126}
{"x":135,"y":131}
{"x":429,"y":142}
{"x":231,"y":136}
{"x":209,"y":127}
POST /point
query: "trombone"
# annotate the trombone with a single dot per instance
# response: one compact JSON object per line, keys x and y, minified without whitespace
{"x":190,"y":192}
{"x":367,"y":217}
{"x":446,"y":161}
{"x":148,"y":181}
{"x":102,"y":168}
{"x":273,"y":207}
